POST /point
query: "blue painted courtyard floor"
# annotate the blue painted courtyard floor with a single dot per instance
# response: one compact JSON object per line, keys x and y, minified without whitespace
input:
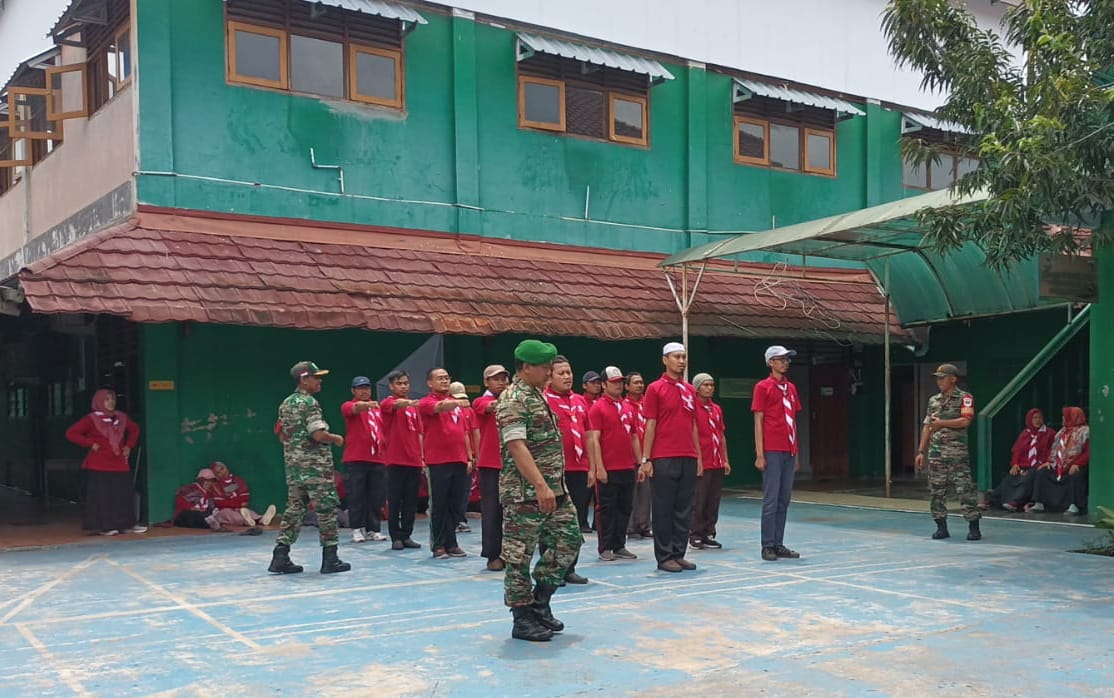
{"x":873,"y":608}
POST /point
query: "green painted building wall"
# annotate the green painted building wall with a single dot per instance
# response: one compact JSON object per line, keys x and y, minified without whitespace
{"x":1101,"y":413}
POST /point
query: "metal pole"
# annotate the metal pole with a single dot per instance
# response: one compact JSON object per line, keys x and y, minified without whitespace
{"x":685,"y":312}
{"x":886,"y":351}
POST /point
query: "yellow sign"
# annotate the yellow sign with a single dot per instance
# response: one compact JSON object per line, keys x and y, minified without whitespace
{"x":160,"y":385}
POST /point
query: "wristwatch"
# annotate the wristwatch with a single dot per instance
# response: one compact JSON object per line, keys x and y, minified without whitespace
{"x":644,"y":460}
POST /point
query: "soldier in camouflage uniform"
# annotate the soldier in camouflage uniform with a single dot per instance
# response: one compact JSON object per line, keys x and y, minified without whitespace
{"x":536,"y":505}
{"x":307,"y":451}
{"x":944,"y":439}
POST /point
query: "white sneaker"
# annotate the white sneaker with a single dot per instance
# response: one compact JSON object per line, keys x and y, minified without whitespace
{"x":214,"y":524}
{"x":1073,"y":509}
{"x":1038,"y":507}
{"x":358,"y":535}
{"x":138,"y":528}
{"x":376,"y":536}
{"x":269,"y":515}
{"x":248,"y":517}
{"x":113,"y":532}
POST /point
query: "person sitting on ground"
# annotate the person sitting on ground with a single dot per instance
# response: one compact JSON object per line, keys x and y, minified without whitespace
{"x":231,"y":496}
{"x":1032,"y":448}
{"x":1061,"y":483}
{"x":194,"y":505}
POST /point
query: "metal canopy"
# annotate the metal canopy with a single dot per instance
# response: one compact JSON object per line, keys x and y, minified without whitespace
{"x":745,"y":89}
{"x":529,"y":44}
{"x":912,"y":122}
{"x":925,"y":285}
{"x":379,"y":8}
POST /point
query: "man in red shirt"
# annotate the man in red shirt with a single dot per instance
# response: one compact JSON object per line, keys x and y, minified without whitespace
{"x":448,"y":450}
{"x":472,"y":433}
{"x":592,"y":386}
{"x":640,"y":509}
{"x":613,"y":451}
{"x":363,"y":462}
{"x":571,"y":411}
{"x":713,"y":454}
{"x":489,"y":463}
{"x":671,"y":457}
{"x":775,"y":406}
{"x":403,"y":454}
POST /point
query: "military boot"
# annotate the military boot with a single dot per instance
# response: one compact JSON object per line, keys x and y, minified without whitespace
{"x":973,"y":532}
{"x":330,"y":563}
{"x":941,"y":530}
{"x":527,"y":626}
{"x":542,"y":594}
{"x":280,"y":561}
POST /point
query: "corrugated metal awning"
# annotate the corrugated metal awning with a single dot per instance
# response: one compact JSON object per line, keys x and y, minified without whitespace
{"x":745,"y":89}
{"x":529,"y":44}
{"x":912,"y":121}
{"x":379,"y":8}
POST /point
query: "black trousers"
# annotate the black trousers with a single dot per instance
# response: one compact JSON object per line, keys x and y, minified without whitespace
{"x":402,"y":499}
{"x":191,"y":519}
{"x":614,"y":502}
{"x":447,"y":484}
{"x":366,"y":492}
{"x":580,"y":494}
{"x":1058,"y":495}
{"x":705,"y":512}
{"x":673,"y":487}
{"x":491,"y":512}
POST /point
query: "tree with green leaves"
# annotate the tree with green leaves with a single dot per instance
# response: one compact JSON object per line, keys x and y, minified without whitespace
{"x":1037,"y":98}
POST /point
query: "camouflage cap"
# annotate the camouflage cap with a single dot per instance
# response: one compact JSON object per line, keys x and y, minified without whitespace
{"x":306,"y":368}
{"x":946,"y":370}
{"x":534,"y":351}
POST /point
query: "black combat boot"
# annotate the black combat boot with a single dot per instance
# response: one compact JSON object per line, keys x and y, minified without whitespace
{"x":542,"y":594}
{"x":330,"y":563}
{"x":527,"y":626}
{"x":280,"y":561}
{"x":973,"y":532}
{"x":941,"y":530}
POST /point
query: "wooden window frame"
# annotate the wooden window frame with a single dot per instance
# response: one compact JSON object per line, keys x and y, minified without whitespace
{"x":831,"y":136}
{"x":764,"y":161}
{"x":52,"y":71}
{"x":12,"y":120}
{"x":283,"y":83}
{"x":523,"y":122}
{"x":17,"y":163}
{"x":121,"y":84}
{"x":645,"y":102}
{"x":354,"y":79}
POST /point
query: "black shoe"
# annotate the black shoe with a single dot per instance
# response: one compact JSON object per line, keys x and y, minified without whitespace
{"x":409,"y":543}
{"x":782,"y":551}
{"x":542,"y":594}
{"x":397,"y":545}
{"x":712,"y":543}
{"x":456,"y":552}
{"x":973,"y":532}
{"x":574,"y":578}
{"x":696,"y":543}
{"x":768,"y":554}
{"x":330,"y":563}
{"x":280,"y":561}
{"x":941,"y":530}
{"x":527,"y":626}
{"x":586,"y":529}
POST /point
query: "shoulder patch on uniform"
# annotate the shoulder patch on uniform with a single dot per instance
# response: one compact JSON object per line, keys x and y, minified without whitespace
{"x":968,"y":401}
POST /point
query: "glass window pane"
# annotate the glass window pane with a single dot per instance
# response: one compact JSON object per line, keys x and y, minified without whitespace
{"x":964,"y":166}
{"x":124,"y":56}
{"x":785,"y":146}
{"x":316,"y":66}
{"x":257,"y":56}
{"x":542,"y":103}
{"x":375,"y":76}
{"x":752,"y":141}
{"x":584,"y":112}
{"x":628,"y":117}
{"x":819,"y":152}
{"x":916,"y":177}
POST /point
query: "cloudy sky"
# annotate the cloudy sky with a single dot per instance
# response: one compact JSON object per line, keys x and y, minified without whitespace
{"x":23,"y":28}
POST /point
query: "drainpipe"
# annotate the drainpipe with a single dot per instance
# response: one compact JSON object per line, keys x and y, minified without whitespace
{"x":888,"y":368}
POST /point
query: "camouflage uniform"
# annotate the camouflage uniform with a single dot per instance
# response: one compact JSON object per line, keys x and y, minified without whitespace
{"x":949,"y":465}
{"x":309,"y":469}
{"x":522,"y":412}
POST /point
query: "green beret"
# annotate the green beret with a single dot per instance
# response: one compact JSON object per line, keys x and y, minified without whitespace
{"x":533,"y":351}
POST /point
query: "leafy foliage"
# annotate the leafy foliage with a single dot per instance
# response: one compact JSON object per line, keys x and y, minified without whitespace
{"x":1043,"y":129}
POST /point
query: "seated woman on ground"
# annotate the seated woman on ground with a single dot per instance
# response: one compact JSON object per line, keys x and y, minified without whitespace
{"x":1031,"y":449}
{"x":231,"y":498}
{"x":194,"y":503}
{"x":1061,"y":483}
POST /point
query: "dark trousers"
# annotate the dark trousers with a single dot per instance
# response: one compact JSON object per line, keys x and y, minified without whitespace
{"x":491,"y":512}
{"x":705,"y":510}
{"x":365,"y":494}
{"x":192,"y":519}
{"x":447,"y":481}
{"x":614,"y":501}
{"x":1058,"y":495}
{"x":777,"y":488}
{"x":580,"y":494}
{"x":673,"y":487}
{"x":402,"y":499}
{"x":640,"y":511}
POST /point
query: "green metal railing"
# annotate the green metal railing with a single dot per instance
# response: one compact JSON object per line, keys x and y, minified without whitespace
{"x":985,"y":418}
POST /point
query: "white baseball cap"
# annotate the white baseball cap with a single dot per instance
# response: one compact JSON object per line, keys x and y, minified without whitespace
{"x":777,"y":351}
{"x":612,"y":374}
{"x":671,"y":348}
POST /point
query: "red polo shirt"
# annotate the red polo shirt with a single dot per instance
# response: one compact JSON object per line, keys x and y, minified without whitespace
{"x":403,"y":429}
{"x":490,"y":455}
{"x":363,"y":434}
{"x":673,"y":404}
{"x":572,"y":419}
{"x":769,"y":396}
{"x":710,"y":427}
{"x":614,"y":421}
{"x":444,"y":432}
{"x":636,"y":404}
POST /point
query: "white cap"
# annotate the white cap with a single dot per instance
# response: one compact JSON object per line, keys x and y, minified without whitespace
{"x":671,"y":348}
{"x":776,"y":351}
{"x":612,"y":374}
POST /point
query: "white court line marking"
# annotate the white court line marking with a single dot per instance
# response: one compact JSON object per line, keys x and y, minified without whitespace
{"x":66,"y":675}
{"x":187,"y":606}
{"x":35,"y":593}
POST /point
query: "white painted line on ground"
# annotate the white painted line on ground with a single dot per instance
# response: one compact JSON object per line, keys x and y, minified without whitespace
{"x":29,"y":598}
{"x":66,"y":675}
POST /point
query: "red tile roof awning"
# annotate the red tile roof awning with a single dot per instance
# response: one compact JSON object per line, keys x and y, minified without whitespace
{"x":162,"y":267}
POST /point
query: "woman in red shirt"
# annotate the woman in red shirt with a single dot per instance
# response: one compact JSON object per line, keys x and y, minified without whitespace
{"x":110,"y":436}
